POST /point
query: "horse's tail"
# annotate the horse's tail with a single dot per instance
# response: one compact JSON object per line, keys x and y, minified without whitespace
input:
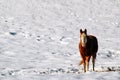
{"x":81,"y":62}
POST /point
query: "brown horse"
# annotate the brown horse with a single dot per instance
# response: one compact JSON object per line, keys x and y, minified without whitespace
{"x":88,"y":47}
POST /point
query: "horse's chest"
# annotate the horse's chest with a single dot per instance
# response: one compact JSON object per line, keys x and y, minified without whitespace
{"x":85,"y":52}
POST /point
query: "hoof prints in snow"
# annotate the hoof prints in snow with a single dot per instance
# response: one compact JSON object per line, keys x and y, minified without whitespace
{"x":13,"y":33}
{"x":55,"y":71}
{"x":113,"y":53}
{"x":38,"y":72}
{"x":9,"y":73}
{"x":108,"y":69}
{"x":110,"y":53}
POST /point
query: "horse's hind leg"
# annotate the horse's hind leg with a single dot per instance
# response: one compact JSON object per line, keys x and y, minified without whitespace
{"x":93,"y":62}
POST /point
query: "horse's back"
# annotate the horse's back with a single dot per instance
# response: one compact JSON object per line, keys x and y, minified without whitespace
{"x":93,"y":43}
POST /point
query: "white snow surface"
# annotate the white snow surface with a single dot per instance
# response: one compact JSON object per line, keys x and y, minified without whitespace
{"x":39,"y":39}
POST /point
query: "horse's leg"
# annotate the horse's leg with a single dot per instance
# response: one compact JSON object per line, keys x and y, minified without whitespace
{"x":83,"y":62}
{"x":93,"y":61}
{"x":87,"y":62}
{"x":84,"y":65}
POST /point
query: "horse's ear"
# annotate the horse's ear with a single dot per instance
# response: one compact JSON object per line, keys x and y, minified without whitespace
{"x":85,"y":31}
{"x":80,"y":30}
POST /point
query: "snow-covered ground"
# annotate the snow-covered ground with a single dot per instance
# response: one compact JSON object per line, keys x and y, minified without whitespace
{"x":39,"y":39}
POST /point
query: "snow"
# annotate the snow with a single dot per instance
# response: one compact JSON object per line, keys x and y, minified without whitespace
{"x":39,"y":39}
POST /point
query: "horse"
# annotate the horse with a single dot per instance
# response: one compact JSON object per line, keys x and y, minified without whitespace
{"x":88,"y":47}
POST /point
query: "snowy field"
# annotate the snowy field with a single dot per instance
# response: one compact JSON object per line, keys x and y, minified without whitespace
{"x":39,"y":39}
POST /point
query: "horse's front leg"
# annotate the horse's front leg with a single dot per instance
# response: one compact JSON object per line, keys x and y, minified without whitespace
{"x":87,"y":62}
{"x":84,"y":64}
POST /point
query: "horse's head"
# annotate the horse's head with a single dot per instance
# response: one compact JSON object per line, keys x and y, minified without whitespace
{"x":83,"y":37}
